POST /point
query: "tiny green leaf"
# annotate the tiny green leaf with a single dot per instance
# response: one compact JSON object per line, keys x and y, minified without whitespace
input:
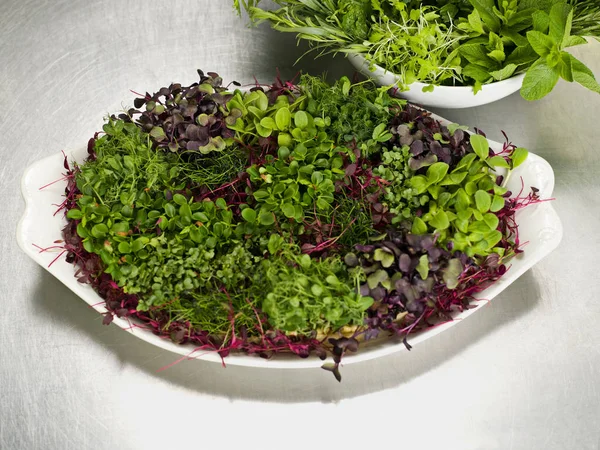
{"x":491,"y":220}
{"x":423,"y":267}
{"x":498,"y":161}
{"x":74,"y":214}
{"x":518,"y":156}
{"x":480,"y":145}
{"x":249,"y":215}
{"x":283,"y":118}
{"x":483,"y":201}
{"x":418,"y":226}
{"x":452,"y":272}
{"x":288,"y":210}
{"x":301,"y":119}
{"x":386,"y":258}
{"x":440,"y":221}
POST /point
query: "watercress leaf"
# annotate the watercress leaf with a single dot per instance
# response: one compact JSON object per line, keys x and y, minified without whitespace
{"x":483,"y":201}
{"x":74,"y":214}
{"x":583,"y":75}
{"x":518,"y":156}
{"x":283,"y":118}
{"x":288,"y":210}
{"x":99,"y":230}
{"x":539,"y":80}
{"x":561,"y":16}
{"x":261,"y":100}
{"x":498,"y":161}
{"x":497,"y":203}
{"x":418,"y":226}
{"x":268,"y":122}
{"x":301,"y":119}
{"x":124,"y":248}
{"x":179,"y":199}
{"x":261,"y":130}
{"x":261,"y":195}
{"x":506,"y":72}
{"x":249,"y":215}
{"x":480,"y":145}
{"x":541,"y":43}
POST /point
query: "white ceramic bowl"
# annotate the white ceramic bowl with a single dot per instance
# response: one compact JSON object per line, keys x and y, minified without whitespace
{"x":539,"y":226}
{"x":451,"y":97}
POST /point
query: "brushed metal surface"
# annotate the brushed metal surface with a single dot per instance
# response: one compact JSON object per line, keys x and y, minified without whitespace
{"x":523,"y":374}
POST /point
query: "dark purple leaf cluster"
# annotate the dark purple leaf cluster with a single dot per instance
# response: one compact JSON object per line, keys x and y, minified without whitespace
{"x":185,"y":118}
{"x":403,"y":273}
{"x":429,"y":141}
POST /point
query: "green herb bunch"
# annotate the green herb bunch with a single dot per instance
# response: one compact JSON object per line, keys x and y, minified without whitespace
{"x":449,"y":42}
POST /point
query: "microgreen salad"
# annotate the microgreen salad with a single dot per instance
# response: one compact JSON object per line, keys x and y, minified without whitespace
{"x":296,"y":217}
{"x":448,"y":42}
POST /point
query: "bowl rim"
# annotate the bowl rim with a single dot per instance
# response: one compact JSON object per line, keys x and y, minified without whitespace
{"x":379,"y":70}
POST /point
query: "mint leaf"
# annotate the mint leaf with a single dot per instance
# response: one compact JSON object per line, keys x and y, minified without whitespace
{"x":571,"y":41}
{"x":561,"y":16}
{"x":504,"y":73}
{"x":520,"y":20}
{"x":497,"y":55}
{"x":486,"y":11}
{"x":477,"y":72}
{"x":540,"y":43}
{"x":495,"y":42}
{"x":483,"y":200}
{"x":515,"y":37}
{"x":539,"y":80}
{"x":553,"y":58}
{"x":541,"y":21}
{"x":475,"y":21}
{"x":522,"y":56}
{"x":565,"y":67}
{"x":583,"y":75}
{"x":475,"y":54}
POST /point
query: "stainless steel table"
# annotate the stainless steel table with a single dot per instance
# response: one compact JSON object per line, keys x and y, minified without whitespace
{"x":524,"y":373}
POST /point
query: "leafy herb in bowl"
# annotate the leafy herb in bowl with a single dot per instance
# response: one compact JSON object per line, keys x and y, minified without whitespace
{"x":491,"y":46}
{"x":292,"y":218}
